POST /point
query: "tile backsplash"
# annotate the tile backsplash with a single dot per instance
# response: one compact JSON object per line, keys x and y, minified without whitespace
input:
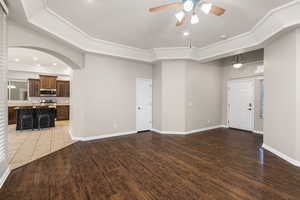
{"x":58,"y":99}
{"x":38,"y":100}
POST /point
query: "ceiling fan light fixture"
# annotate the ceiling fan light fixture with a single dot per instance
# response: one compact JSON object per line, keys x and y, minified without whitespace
{"x":206,"y":7}
{"x":180,"y":15}
{"x":194,"y":19}
{"x":188,"y":5}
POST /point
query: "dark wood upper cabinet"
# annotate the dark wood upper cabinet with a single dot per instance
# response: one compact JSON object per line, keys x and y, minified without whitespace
{"x":34,"y":87}
{"x":63,"y":88}
{"x":48,"y":82}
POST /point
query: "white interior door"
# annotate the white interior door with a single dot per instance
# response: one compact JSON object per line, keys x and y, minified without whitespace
{"x":241,"y":104}
{"x":143,"y":104}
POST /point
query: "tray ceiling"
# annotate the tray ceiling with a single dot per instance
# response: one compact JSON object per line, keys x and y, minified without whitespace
{"x":130,"y":23}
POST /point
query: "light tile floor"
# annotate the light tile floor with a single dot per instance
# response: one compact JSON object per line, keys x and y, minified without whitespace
{"x":26,"y":146}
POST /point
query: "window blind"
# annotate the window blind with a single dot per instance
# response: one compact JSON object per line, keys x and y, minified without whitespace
{"x":3,"y":93}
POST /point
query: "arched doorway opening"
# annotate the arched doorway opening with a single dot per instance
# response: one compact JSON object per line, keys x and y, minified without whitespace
{"x":38,"y":103}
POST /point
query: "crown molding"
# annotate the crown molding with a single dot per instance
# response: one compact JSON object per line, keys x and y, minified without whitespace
{"x":4,"y":6}
{"x":275,"y":22}
{"x":185,"y":53}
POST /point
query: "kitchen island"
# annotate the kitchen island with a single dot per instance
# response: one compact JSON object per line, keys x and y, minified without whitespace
{"x":62,"y":110}
{"x":35,"y":118}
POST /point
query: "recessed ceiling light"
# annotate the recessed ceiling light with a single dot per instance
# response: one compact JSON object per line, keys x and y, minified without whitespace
{"x":223,"y":37}
{"x":35,"y":58}
{"x":90,"y":1}
{"x":17,"y":59}
{"x":186,"y":33}
{"x":54,"y":64}
{"x":38,"y":65}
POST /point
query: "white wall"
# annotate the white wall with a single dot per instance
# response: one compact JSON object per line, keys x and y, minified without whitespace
{"x":282,"y":103}
{"x":103,"y":95}
{"x":188,"y":95}
{"x":298,"y":96}
{"x":157,"y":95}
{"x":173,"y":91}
{"x":203,"y":95}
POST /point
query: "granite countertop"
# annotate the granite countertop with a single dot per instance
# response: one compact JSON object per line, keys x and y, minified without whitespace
{"x":36,"y":104}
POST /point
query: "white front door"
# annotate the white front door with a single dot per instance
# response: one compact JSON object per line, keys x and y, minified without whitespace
{"x":143,"y":104}
{"x":241,"y":104}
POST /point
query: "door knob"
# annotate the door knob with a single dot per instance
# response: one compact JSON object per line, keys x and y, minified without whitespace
{"x":139,"y":107}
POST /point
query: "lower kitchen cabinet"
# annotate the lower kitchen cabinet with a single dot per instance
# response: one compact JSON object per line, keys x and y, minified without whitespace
{"x":12,"y":117}
{"x":62,"y":113}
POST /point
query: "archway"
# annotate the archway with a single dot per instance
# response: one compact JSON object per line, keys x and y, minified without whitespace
{"x":27,"y":66}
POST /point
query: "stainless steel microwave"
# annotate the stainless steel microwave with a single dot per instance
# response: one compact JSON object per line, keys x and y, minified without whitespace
{"x":47,"y":92}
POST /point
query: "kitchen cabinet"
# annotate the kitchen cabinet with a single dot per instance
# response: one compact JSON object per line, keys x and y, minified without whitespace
{"x":63,"y":88}
{"x":62,"y":112}
{"x":12,"y":117}
{"x":48,"y":82}
{"x":34,"y":87}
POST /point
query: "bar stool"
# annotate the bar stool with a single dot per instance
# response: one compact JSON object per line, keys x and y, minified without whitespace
{"x":26,"y":118}
{"x":43,"y":115}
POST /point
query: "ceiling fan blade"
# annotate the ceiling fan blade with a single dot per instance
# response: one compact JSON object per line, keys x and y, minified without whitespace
{"x":179,"y":23}
{"x":216,"y":10}
{"x":164,"y":7}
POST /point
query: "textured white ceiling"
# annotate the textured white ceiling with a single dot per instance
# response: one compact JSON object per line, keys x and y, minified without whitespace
{"x":26,"y":58}
{"x":130,"y":23}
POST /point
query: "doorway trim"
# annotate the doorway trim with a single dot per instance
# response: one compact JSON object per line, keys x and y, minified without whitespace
{"x":253,"y":100}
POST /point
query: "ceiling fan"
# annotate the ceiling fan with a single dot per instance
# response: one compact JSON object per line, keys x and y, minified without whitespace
{"x":190,"y":6}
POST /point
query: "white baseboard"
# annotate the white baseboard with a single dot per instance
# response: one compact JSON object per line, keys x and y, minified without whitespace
{"x":168,"y":132}
{"x":224,"y":126}
{"x":186,"y":132}
{"x":4,"y":176}
{"x":204,"y":129}
{"x":282,"y":155}
{"x":258,"y":132}
{"x":88,"y":138}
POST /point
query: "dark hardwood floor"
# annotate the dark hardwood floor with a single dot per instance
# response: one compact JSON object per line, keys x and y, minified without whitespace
{"x":217,"y":164}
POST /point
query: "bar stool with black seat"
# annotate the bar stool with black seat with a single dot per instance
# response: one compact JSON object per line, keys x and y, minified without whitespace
{"x":26,"y":118}
{"x":43,"y":118}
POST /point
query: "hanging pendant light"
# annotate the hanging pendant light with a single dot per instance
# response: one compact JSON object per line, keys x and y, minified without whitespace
{"x":237,"y":63}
